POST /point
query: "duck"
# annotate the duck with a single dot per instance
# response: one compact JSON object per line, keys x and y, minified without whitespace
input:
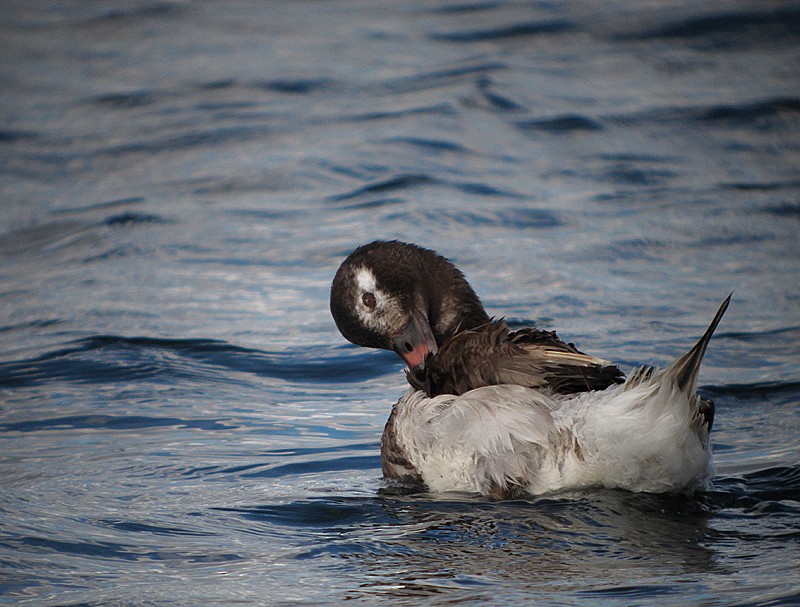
{"x":514,"y":413}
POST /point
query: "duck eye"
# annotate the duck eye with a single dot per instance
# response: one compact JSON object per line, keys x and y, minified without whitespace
{"x":368,"y":299}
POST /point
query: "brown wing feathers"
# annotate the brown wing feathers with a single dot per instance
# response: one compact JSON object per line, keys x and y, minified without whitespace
{"x":490,"y":354}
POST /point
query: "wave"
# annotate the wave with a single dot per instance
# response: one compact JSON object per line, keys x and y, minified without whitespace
{"x":398,"y":182}
{"x":111,"y":422}
{"x":749,"y":113}
{"x":513,"y":218}
{"x":739,"y":27}
{"x":759,"y":390}
{"x":567,"y":123}
{"x":103,"y":205}
{"x":411,"y":181}
{"x":295,"y":87}
{"x":765,"y":491}
{"x":762,"y":115}
{"x":321,"y":512}
{"x":113,"y":358}
{"x":15,"y":135}
{"x":128,"y":100}
{"x":775,"y":489}
{"x":339,"y":464}
{"x":511,"y":31}
{"x":439,"y":78}
{"x":200,"y":138}
{"x":788,"y":210}
{"x":116,"y":16}
{"x":38,"y":239}
{"x":377,"y":193}
{"x":440,"y":109}
{"x":434,"y":145}
{"x":786,"y":333}
{"x":132,"y":218}
{"x":112,"y":551}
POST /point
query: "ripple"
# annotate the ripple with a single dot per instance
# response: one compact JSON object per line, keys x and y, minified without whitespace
{"x":314,"y":513}
{"x":788,"y":210}
{"x":642,"y":591}
{"x":111,"y":422}
{"x":410,"y":182}
{"x":201,"y":138}
{"x":759,"y":390}
{"x":133,"y":527}
{"x":763,"y":114}
{"x":764,"y":491}
{"x":115,"y":551}
{"x":749,"y":113}
{"x":438,"y":109}
{"x":496,"y":100}
{"x":133,"y":99}
{"x":131,"y":218}
{"x":565,"y":124}
{"x":505,"y":32}
{"x":628,"y":174}
{"x":755,"y":186}
{"x":112,"y":358}
{"x":393,"y":184}
{"x":723,"y":29}
{"x":152,"y":10}
{"x":517,"y":219}
{"x":439,"y":78}
{"x":339,"y":464}
{"x":435,"y":145}
{"x":787,"y":334}
{"x":31,"y":324}
{"x":106,"y":204}
{"x":38,"y":237}
{"x":12,"y":135}
{"x":484,"y":189}
{"x":295,"y":87}
{"x":466,"y":7}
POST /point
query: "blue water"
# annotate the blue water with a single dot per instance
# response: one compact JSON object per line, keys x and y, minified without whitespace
{"x":180,"y":421}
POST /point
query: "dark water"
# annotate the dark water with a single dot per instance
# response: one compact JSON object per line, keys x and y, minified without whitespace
{"x":180,"y":422}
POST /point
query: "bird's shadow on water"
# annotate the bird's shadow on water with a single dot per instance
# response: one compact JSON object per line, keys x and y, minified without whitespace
{"x":423,"y":544}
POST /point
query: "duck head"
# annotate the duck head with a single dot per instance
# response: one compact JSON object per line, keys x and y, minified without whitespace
{"x":401,"y":297}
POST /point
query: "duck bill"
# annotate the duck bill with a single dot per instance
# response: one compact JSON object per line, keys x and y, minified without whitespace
{"x":415,"y":342}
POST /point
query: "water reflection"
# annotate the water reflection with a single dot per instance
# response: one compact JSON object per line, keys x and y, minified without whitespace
{"x":415,"y":546}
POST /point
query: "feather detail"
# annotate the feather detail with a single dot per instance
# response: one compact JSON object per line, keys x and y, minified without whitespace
{"x":649,"y":434}
{"x":490,"y":355}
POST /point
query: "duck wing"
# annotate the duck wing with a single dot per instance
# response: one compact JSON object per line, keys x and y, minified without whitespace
{"x":491,"y":355}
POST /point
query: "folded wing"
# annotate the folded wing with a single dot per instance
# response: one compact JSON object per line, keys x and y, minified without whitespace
{"x":491,"y":355}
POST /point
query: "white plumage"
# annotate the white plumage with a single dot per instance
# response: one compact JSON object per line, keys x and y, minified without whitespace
{"x":647,"y":437}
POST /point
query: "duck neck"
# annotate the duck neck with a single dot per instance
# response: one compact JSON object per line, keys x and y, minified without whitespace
{"x":453,"y":305}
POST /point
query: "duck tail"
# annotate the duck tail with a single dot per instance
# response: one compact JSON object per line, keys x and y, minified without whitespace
{"x":686,"y":367}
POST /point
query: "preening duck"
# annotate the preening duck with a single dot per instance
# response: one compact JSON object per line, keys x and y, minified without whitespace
{"x":509,"y":413}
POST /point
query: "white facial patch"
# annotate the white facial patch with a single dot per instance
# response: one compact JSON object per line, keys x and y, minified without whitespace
{"x":381,"y":317}
{"x":365,"y":280}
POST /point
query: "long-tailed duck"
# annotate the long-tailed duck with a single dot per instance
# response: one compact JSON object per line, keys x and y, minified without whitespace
{"x":509,"y":413}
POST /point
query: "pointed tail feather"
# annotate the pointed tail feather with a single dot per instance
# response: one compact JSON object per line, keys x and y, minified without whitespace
{"x":685,"y":369}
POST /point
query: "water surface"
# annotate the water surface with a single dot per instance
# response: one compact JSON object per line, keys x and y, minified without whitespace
{"x":180,"y":421}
